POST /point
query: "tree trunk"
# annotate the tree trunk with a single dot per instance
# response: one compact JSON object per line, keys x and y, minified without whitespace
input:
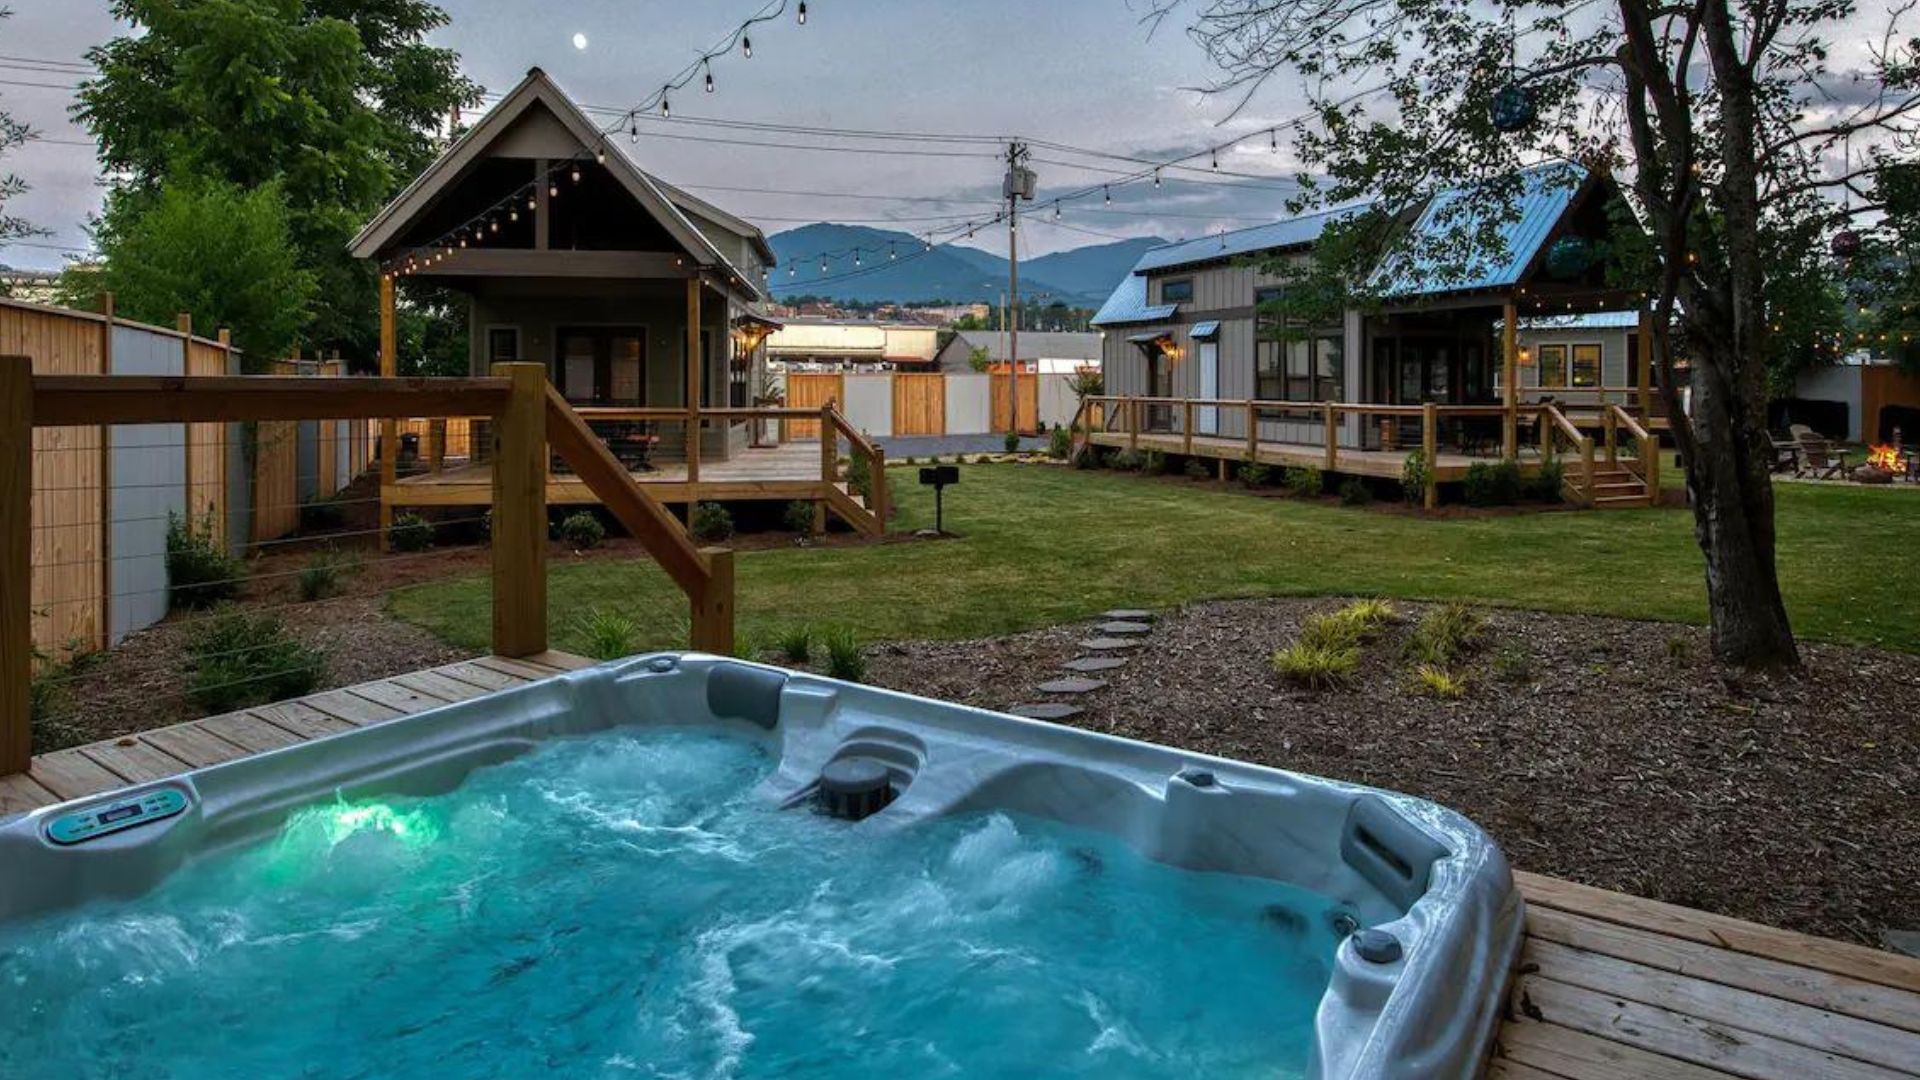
{"x":1729,"y":479}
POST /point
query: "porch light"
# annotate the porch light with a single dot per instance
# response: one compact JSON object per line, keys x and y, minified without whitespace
{"x":1525,"y":357}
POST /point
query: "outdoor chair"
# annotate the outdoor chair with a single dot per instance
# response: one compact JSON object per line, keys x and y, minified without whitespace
{"x":1819,"y":458}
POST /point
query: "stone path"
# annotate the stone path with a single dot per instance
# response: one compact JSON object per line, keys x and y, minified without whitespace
{"x":1120,"y":630}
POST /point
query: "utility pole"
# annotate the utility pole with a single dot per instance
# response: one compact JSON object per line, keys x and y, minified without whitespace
{"x":1018,"y":185}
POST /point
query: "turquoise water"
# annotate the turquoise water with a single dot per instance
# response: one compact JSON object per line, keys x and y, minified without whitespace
{"x":616,"y":906}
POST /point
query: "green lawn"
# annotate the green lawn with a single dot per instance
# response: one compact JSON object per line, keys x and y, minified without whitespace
{"x":1046,"y":545}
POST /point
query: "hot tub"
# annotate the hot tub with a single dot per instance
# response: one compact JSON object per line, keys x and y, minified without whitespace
{"x":686,"y":865}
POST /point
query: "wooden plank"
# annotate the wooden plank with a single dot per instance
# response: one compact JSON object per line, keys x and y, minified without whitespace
{"x":695,"y":377}
{"x":303,"y":720}
{"x":1713,"y":1002}
{"x":563,"y":661}
{"x":1576,"y":1055}
{"x":432,"y":682}
{"x":1838,"y":957}
{"x":520,"y":513}
{"x":482,"y":677}
{"x":1506,"y":1069}
{"x":1677,"y":1035}
{"x":134,"y":761}
{"x":355,"y":710}
{"x":404,"y":699}
{"x":194,"y":745}
{"x":809,"y":391}
{"x":16,"y":565}
{"x":712,"y":616}
{"x":249,"y":732}
{"x":172,"y":399}
{"x":71,"y":774}
{"x":19,"y":794}
{"x":531,"y":672}
{"x":1790,"y":982}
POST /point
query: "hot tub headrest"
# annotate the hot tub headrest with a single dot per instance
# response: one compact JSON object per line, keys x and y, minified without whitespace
{"x":1388,"y":850}
{"x":739,"y":692}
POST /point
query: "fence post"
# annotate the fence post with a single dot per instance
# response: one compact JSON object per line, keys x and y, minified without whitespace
{"x":1430,"y":449}
{"x":713,"y":605}
{"x":1333,"y":438}
{"x":16,"y":564}
{"x":520,"y":514}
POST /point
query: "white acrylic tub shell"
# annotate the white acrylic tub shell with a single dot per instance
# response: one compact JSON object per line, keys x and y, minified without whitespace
{"x":1420,"y":872}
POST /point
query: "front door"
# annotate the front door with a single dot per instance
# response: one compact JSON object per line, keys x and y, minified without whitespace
{"x":602,"y":365}
{"x":1206,"y":418}
{"x":1159,"y":385}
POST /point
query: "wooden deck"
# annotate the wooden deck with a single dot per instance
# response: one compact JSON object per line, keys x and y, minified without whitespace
{"x":1448,"y":467}
{"x":170,"y":751}
{"x":787,"y":471}
{"x":1609,"y":986}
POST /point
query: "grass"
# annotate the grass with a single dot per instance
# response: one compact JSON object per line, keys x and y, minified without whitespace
{"x":1043,"y":545}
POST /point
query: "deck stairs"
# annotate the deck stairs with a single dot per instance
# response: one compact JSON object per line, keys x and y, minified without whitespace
{"x":1615,"y":487}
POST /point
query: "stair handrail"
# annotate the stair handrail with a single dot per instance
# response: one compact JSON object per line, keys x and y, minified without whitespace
{"x":1646,"y":451}
{"x":876,"y":459}
{"x":1561,"y":427}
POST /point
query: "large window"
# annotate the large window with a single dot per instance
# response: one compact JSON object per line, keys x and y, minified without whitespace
{"x":1176,"y":291}
{"x":1292,"y":368}
{"x":1553,"y":366}
{"x":1586,"y":365}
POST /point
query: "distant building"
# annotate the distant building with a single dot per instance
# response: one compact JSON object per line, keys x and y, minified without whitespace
{"x":1049,"y":353}
{"x":1862,"y":399}
{"x":812,"y":344}
{"x":33,"y":286}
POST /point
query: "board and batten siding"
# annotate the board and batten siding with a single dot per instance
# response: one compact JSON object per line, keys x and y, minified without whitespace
{"x":1615,"y":363}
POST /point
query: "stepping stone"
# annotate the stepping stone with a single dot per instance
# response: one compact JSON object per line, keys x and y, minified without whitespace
{"x":1124,"y":628}
{"x":1129,"y":614}
{"x":1071,"y":686}
{"x":1046,"y":711}
{"x":1095,"y":663}
{"x":1103,"y":643}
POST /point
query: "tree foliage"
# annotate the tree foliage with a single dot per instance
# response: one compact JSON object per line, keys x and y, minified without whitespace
{"x":336,"y":101}
{"x":1723,"y":120}
{"x":13,"y":134}
{"x":210,"y":248}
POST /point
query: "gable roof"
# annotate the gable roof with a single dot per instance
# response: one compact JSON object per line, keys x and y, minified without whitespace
{"x":536,"y":89}
{"x":1546,"y":193}
{"x":1034,"y":344}
{"x":1290,"y":232}
{"x":1128,"y":304}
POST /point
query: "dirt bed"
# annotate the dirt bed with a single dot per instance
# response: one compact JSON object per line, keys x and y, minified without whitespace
{"x":1601,"y":750}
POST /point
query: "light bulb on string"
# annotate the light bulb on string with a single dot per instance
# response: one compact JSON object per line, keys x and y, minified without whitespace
{"x":633,"y":128}
{"x":709,"y":78}
{"x":532,"y":203}
{"x":1056,"y":209}
{"x":803,"y":12}
{"x":746,"y":46}
{"x":513,"y":214}
{"x":553,"y":190}
{"x":1108,"y":192}
{"x":1216,"y":157}
{"x":1156,"y":177}
{"x":856,"y":258}
{"x":574,"y":173}
{"x":600,"y":154}
{"x":891,"y":254}
{"x":1273,"y":140}
{"x":493,"y":226}
{"x":666,"y":108}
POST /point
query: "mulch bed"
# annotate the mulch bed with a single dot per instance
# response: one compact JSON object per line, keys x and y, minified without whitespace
{"x":1605,"y":751}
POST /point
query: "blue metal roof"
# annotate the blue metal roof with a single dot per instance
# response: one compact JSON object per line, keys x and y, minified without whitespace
{"x":1545,"y":193}
{"x":1293,"y":232}
{"x":1203,"y":330}
{"x":1128,"y":304}
{"x":1597,"y":320}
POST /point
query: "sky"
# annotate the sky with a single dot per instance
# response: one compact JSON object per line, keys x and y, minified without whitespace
{"x":1085,"y":73}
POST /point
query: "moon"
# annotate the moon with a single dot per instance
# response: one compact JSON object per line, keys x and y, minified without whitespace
{"x":580,"y":41}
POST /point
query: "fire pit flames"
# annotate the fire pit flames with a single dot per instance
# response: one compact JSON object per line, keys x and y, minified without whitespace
{"x":1883,"y":457}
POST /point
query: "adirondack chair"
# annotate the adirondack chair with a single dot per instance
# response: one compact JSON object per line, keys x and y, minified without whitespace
{"x":1819,"y":458}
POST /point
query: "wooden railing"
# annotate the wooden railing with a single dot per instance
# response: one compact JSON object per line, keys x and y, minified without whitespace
{"x":834,"y":426}
{"x":1556,"y":427}
{"x":1646,"y":448}
{"x":526,"y":417}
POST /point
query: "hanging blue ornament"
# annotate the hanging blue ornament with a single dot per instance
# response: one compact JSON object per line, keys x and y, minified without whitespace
{"x":1570,"y":256}
{"x":1513,"y":108}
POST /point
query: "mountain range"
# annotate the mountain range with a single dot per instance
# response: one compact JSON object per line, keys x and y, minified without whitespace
{"x":894,"y":266}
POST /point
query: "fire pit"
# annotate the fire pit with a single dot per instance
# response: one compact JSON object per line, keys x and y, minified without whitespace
{"x":1884,"y":463}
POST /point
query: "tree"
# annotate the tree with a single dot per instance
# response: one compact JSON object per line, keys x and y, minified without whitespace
{"x":1721,"y":117}
{"x":207,"y":247}
{"x":13,"y":133}
{"x":338,"y":101}
{"x":978,"y":358}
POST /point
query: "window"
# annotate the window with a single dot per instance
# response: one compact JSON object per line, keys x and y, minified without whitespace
{"x":1586,"y":365}
{"x":1295,"y":369}
{"x":1553,"y":366}
{"x":1176,"y":291}
{"x":503,"y":344}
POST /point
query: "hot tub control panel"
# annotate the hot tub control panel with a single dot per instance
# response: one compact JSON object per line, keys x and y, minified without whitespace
{"x":104,"y":819}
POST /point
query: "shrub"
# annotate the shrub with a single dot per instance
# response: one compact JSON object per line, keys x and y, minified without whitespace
{"x":1154,"y":464}
{"x":235,"y":660}
{"x":1305,"y":480}
{"x":1317,"y":666}
{"x":1059,"y":443}
{"x":200,"y":573}
{"x":798,"y":516}
{"x":1438,"y":682}
{"x":1445,"y":634}
{"x":1255,"y":474}
{"x":1129,"y":461}
{"x":860,"y":477}
{"x":1513,"y":664}
{"x":1493,"y":483}
{"x":323,"y":515}
{"x":844,"y":659}
{"x":1546,"y":484}
{"x":608,"y":635}
{"x":1679,"y":649}
{"x":1012,"y":442}
{"x":320,"y":578}
{"x":796,"y":644}
{"x":410,"y":532}
{"x":1092,"y":457}
{"x":710,"y":522}
{"x":1371,"y":615}
{"x":1196,"y":469}
{"x":1355,"y":492}
{"x":582,"y":530}
{"x":1413,"y":478}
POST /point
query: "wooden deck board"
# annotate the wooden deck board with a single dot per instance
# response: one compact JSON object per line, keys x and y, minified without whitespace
{"x":1609,"y":987}
{"x":1348,"y":460}
{"x":790,"y":470}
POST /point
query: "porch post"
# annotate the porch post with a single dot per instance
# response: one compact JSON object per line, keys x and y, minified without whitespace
{"x":1430,"y":449}
{"x":389,"y":428}
{"x":520,"y":513}
{"x":1509,"y":380}
{"x":693,"y":379}
{"x":1645,"y":348}
{"x":16,"y":564}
